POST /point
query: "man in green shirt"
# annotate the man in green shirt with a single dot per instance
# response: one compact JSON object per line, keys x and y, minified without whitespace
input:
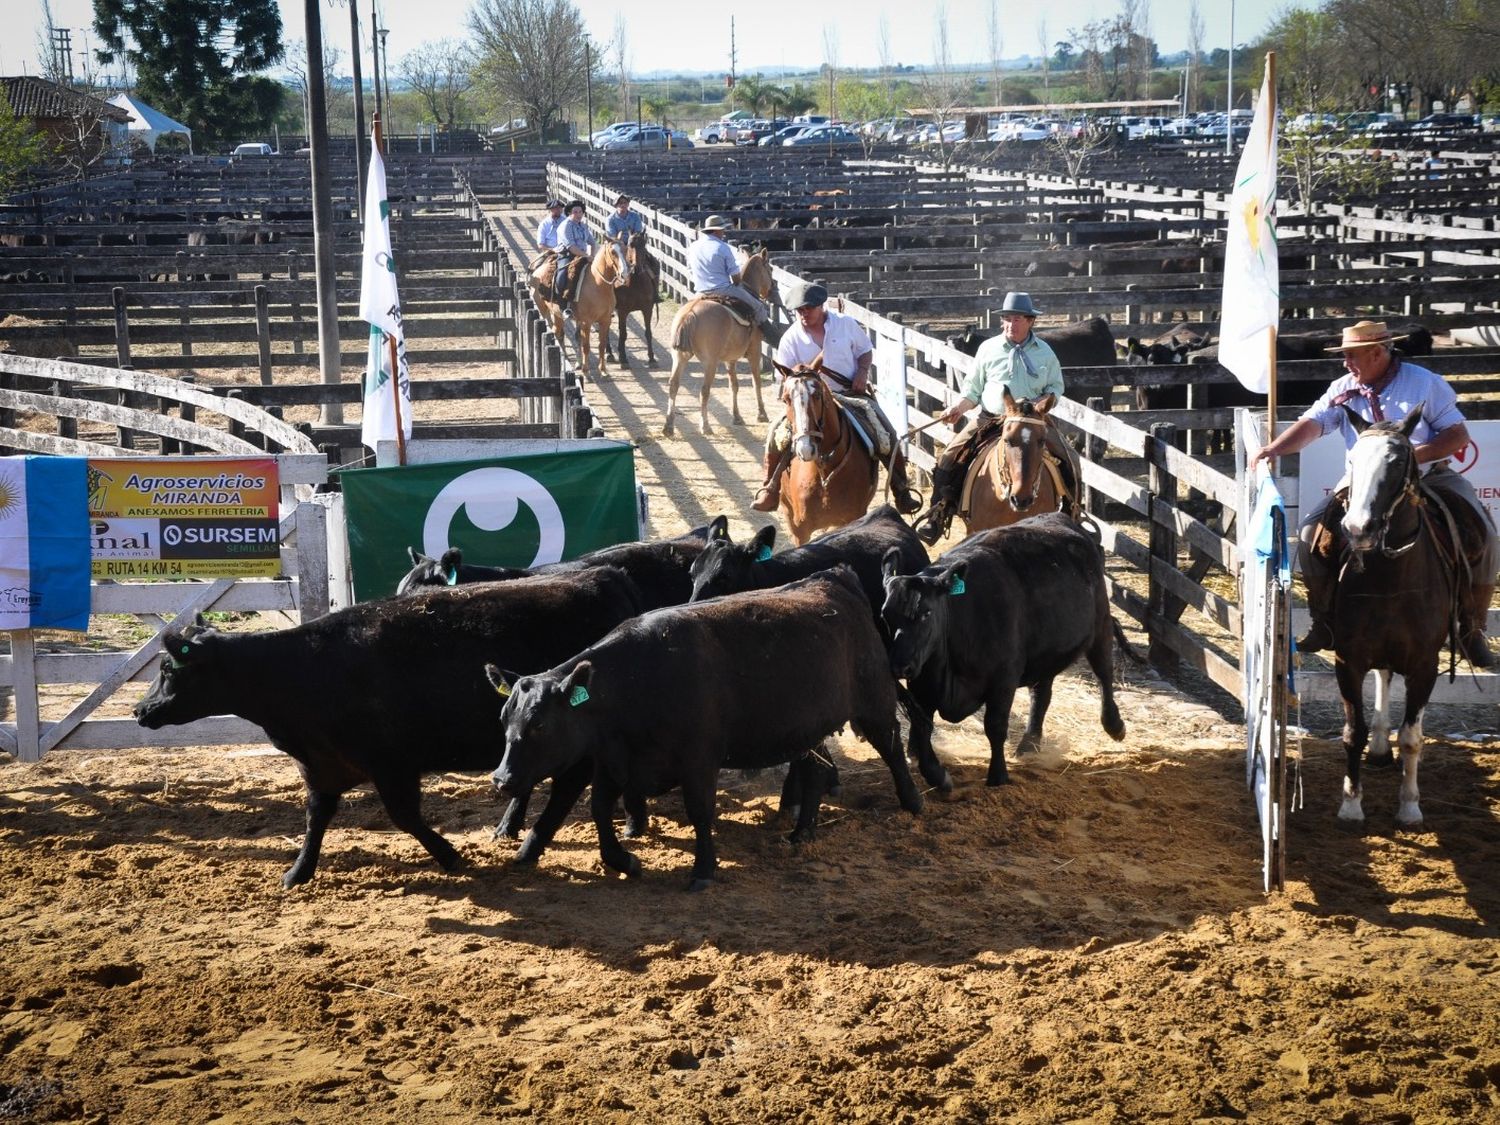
{"x":1017,"y":361}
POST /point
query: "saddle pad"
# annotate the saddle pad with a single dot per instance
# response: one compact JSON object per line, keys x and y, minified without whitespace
{"x":732,"y":305}
{"x":1049,"y":462}
{"x":859,"y":430}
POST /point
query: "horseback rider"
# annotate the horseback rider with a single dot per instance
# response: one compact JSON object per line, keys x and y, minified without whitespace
{"x":1381,"y":385}
{"x":546,"y":234}
{"x":575,"y":242}
{"x":1016,"y":361}
{"x":844,"y":346}
{"x":622,"y":223}
{"x":716,"y":273}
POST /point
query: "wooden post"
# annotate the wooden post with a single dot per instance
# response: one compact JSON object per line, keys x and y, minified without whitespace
{"x":263,"y":334}
{"x":1094,"y":448}
{"x":1162,"y":607}
{"x":396,"y":402}
{"x":294,"y":276}
{"x":122,"y":328}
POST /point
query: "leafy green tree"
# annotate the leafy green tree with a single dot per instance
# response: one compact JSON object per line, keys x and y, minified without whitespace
{"x":22,"y":148}
{"x":197,"y":60}
{"x":531,"y":54}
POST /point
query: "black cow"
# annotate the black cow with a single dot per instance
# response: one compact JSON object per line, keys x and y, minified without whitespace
{"x":1314,"y":345}
{"x":1007,"y":608}
{"x":1084,"y":343}
{"x":669,"y":699}
{"x":1168,"y":351}
{"x":660,"y":570}
{"x":385,"y":691}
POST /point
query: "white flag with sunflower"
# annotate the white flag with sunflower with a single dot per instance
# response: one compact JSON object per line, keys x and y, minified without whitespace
{"x":1252,"y":299}
{"x":380,"y":304}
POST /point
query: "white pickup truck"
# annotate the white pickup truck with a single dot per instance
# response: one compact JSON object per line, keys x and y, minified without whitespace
{"x":726,"y":129}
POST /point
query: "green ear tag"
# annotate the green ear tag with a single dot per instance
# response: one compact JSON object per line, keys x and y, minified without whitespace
{"x":763,"y":554}
{"x":185,"y":649}
{"x":957,"y":588}
{"x":453,"y":578}
{"x":580,"y":696}
{"x":502,"y":689}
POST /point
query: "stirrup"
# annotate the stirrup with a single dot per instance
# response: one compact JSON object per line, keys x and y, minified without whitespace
{"x":766,"y":499}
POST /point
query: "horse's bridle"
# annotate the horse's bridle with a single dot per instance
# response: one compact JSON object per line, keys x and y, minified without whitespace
{"x":1409,"y":490}
{"x":817,"y":434}
{"x":1020,"y":420}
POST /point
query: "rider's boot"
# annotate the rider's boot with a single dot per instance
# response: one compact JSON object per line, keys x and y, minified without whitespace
{"x":769,"y":494}
{"x":1471,"y":625}
{"x":907,"y":499}
{"x":1317,"y":559}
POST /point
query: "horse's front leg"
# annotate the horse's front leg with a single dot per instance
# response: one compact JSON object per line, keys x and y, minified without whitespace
{"x":1356,"y":735}
{"x":760,"y":402}
{"x":678,"y":367}
{"x":603,"y":328}
{"x":1409,"y":738}
{"x":1380,"y":721}
{"x":709,"y":371}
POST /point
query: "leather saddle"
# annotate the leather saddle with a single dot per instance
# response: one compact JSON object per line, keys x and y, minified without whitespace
{"x":733,"y":305}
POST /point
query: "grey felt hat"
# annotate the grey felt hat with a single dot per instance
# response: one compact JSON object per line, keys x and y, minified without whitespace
{"x":1019,"y":303}
{"x":801,"y":294}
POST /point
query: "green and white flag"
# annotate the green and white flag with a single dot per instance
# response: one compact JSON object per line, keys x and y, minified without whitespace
{"x":380,"y":304}
{"x":510,"y":511}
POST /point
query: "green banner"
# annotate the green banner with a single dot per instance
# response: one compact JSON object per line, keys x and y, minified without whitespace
{"x":504,"y":511}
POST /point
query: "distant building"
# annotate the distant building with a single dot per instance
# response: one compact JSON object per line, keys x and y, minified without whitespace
{"x":82,"y":130}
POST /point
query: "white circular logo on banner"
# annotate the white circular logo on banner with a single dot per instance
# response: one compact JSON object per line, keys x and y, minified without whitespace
{"x":491,"y":498}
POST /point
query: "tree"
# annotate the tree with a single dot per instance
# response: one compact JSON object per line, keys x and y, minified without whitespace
{"x":1195,"y":58}
{"x":531,"y":52}
{"x":439,"y":73}
{"x":657,"y":108}
{"x":197,"y":59}
{"x":22,"y":148}
{"x":943,"y":90}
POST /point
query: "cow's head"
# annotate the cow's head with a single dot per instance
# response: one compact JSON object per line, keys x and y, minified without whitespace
{"x":428,"y":571}
{"x":915,"y":611}
{"x":545,"y":724}
{"x":189,"y":683}
{"x":727,"y":567}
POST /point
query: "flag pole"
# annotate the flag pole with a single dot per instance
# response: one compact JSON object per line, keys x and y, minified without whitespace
{"x":1271,"y":332}
{"x":391,"y":340}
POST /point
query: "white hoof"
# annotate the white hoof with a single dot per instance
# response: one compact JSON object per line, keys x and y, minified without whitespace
{"x":1409,"y":815}
{"x":1352,"y":810}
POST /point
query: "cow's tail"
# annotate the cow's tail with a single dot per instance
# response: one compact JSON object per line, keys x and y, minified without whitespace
{"x":1124,"y":643}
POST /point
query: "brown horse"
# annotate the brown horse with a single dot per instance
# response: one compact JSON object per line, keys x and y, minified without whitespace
{"x":709,"y":331}
{"x":641,"y":294}
{"x":593,"y":304}
{"x":1013,"y":479}
{"x":831,"y":478}
{"x":1393,"y":607}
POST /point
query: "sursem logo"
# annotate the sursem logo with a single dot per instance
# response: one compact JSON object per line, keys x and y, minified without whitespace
{"x":491,"y":498}
{"x":1466,"y":458}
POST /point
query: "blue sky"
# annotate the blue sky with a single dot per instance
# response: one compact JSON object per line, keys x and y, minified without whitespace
{"x":668,"y":34}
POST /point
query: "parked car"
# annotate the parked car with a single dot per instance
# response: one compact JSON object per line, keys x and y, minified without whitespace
{"x":251,"y":148}
{"x":680,"y":139}
{"x":1019,"y":131}
{"x":759,"y":131}
{"x":648,"y":137}
{"x":1146,"y":127}
{"x":824,"y":135}
{"x":1180,"y":127}
{"x":1312,"y":123}
{"x":786,"y":132}
{"x":597,"y":138}
{"x":1446,"y":123}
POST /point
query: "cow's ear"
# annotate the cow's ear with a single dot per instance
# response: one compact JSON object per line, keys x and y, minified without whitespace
{"x":763,"y":541}
{"x":953,"y":579}
{"x":1409,"y":423}
{"x":451,"y":560}
{"x":718,"y":529}
{"x":1359,"y":424}
{"x":501,"y":680}
{"x":575,"y":687}
{"x":414,"y":554}
{"x":890,"y":564}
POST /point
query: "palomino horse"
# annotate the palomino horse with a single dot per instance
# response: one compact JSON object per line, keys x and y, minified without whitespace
{"x":831,"y":478}
{"x":1393,"y":606}
{"x":709,"y":331}
{"x":593,"y":304}
{"x":1012,"y":479}
{"x":641,"y":294}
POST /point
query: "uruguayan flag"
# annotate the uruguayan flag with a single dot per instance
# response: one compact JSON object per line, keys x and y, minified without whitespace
{"x":44,"y":543}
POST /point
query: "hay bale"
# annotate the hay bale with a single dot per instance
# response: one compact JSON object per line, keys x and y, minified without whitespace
{"x":42,"y":345}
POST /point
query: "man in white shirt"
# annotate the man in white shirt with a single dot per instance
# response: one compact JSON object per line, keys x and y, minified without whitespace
{"x":715,"y":270}
{"x":845,"y":347}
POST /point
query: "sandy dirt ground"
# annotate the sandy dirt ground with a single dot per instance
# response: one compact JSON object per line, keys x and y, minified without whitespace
{"x":1088,"y":944}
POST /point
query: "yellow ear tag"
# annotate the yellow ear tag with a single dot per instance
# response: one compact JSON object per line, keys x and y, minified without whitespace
{"x":502,"y":689}
{"x":580,"y":695}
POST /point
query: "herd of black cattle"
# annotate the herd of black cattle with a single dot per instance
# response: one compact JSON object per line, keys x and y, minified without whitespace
{"x":651,"y":666}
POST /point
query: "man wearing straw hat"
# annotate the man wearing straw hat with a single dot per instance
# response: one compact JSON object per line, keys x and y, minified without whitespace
{"x":1015,"y":361}
{"x":1379,"y":386}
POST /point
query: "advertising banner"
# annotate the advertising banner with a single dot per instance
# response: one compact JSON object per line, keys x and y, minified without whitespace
{"x":511,"y":511}
{"x":204,"y":518}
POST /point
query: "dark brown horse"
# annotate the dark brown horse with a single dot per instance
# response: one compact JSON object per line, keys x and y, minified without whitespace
{"x":831,"y":478}
{"x":1013,"y":479}
{"x":1393,"y":605}
{"x":641,"y":294}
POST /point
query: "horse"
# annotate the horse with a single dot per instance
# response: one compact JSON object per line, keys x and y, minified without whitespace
{"x":1394,"y":604}
{"x":641,"y":294}
{"x":709,"y":331}
{"x":593,"y":304}
{"x":832,"y":476}
{"x":1013,"y":479}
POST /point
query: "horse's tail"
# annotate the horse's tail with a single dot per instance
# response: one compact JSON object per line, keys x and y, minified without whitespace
{"x":1124,"y":643}
{"x":682,"y":335}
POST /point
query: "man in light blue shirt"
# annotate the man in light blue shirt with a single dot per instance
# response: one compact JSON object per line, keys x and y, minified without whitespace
{"x":546,"y":234}
{"x":621,"y":225}
{"x":574,"y":242}
{"x":1015,"y":361}
{"x":715,"y":270}
{"x":1379,"y":386}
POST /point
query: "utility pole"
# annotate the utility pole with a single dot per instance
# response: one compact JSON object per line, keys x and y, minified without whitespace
{"x":361,"y":161}
{"x":588,"y":81}
{"x":322,"y":188}
{"x":732,"y":60}
{"x":375,"y":59}
{"x":385,"y":69}
{"x":1229,"y":91}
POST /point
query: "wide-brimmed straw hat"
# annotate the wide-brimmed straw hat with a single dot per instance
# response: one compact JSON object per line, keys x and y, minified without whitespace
{"x":1019,"y":303}
{"x":1365,"y":334}
{"x":715,"y":222}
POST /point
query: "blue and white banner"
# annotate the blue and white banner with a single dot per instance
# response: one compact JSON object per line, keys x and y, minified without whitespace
{"x":387,"y":386}
{"x":44,"y":543}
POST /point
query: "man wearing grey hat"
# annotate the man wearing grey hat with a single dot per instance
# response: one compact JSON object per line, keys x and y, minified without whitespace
{"x":1015,"y":361}
{"x":621,"y":224}
{"x":575,"y":242}
{"x":715,"y":270}
{"x":845,"y":348}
